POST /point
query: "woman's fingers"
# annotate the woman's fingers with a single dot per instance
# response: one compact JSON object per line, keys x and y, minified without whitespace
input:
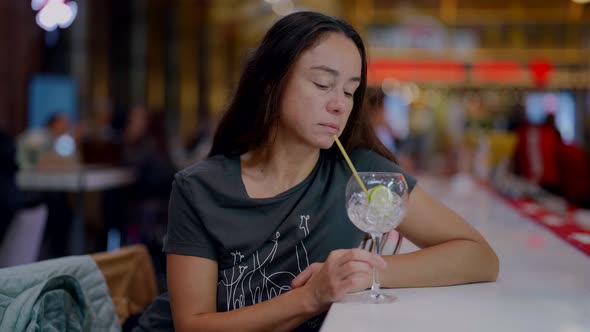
{"x":341,"y":257}
{"x":301,"y":278}
{"x":351,"y":268}
{"x":356,"y":282}
{"x":304,"y":276}
{"x":344,"y":271}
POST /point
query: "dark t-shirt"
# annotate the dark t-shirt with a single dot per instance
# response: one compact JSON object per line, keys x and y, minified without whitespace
{"x":262,"y":244}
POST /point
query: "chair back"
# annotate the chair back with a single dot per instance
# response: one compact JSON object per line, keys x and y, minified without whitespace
{"x":23,"y":237}
{"x":130,"y":276}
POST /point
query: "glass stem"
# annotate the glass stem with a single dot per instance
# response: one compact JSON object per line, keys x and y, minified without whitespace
{"x":376,"y":287}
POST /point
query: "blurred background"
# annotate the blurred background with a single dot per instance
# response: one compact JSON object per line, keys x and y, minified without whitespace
{"x":102,"y":101}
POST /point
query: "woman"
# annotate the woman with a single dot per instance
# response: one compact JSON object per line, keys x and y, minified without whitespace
{"x":374,"y":105}
{"x":258,"y":237}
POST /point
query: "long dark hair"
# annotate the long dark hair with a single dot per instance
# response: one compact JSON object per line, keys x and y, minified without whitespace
{"x":254,"y":109}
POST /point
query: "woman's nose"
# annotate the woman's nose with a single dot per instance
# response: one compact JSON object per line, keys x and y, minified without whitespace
{"x":337,"y":103}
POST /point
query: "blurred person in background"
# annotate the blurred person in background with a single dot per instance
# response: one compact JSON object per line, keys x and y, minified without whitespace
{"x":101,"y":140}
{"x":11,"y":197}
{"x":420,"y":143}
{"x":375,"y":107}
{"x":101,"y":126}
{"x":48,"y":146}
{"x":198,"y":146}
{"x":517,"y":115}
{"x":51,"y":147}
{"x":145,"y":151}
{"x":537,"y":153}
{"x":8,"y":169}
{"x":574,"y":170}
{"x":374,"y":99}
{"x":258,"y":237}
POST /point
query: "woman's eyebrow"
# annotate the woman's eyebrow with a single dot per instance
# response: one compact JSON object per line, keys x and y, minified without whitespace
{"x":333,"y":72}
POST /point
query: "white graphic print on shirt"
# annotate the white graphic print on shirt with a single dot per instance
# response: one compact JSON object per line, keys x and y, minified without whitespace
{"x":251,"y":280}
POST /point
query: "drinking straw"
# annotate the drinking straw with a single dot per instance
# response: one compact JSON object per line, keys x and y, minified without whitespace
{"x":354,"y":172}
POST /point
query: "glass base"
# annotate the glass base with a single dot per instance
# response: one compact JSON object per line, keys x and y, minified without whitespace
{"x":366,"y":297}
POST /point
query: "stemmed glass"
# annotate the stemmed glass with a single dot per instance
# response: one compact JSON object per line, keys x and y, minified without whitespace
{"x":377,"y":211}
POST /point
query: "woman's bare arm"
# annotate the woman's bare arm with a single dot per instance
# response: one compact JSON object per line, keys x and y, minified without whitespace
{"x":453,"y":252}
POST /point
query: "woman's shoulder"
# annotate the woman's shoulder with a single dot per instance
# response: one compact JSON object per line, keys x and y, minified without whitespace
{"x":363,"y":155}
{"x":215,"y":167}
{"x":367,"y":160}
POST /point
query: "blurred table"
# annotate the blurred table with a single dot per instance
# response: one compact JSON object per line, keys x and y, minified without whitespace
{"x":77,"y":180}
{"x":544,"y":283}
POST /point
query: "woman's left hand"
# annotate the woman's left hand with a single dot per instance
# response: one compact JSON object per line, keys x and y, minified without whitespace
{"x":304,"y":276}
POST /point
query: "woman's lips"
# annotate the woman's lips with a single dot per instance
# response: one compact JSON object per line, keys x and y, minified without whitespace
{"x":332,"y":128}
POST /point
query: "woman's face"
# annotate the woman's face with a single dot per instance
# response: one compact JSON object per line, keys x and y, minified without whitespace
{"x":318,"y":97}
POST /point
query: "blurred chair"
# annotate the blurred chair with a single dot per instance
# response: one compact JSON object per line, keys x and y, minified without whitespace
{"x":131,"y":279}
{"x":23,"y":238}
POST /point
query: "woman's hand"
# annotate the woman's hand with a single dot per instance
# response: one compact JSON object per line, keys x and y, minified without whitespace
{"x":344,"y":271}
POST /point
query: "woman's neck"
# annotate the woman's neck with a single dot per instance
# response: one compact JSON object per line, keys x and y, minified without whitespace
{"x":273,"y":169}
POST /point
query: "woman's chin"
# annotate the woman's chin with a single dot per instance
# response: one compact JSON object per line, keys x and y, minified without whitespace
{"x":325,"y":144}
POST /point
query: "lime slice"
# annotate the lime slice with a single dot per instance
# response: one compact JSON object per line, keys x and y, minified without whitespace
{"x":380,"y":197}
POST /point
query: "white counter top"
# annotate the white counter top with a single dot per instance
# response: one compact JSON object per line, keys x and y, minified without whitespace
{"x":544,"y":282}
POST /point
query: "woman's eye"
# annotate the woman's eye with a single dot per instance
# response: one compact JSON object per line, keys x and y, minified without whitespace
{"x":348,"y":94}
{"x":321,"y":86}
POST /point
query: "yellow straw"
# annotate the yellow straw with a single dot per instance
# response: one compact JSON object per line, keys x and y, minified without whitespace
{"x":354,"y":172}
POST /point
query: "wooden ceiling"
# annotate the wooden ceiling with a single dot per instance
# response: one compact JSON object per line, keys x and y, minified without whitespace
{"x":563,"y":19}
{"x":471,"y":10}
{"x":507,"y":30}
